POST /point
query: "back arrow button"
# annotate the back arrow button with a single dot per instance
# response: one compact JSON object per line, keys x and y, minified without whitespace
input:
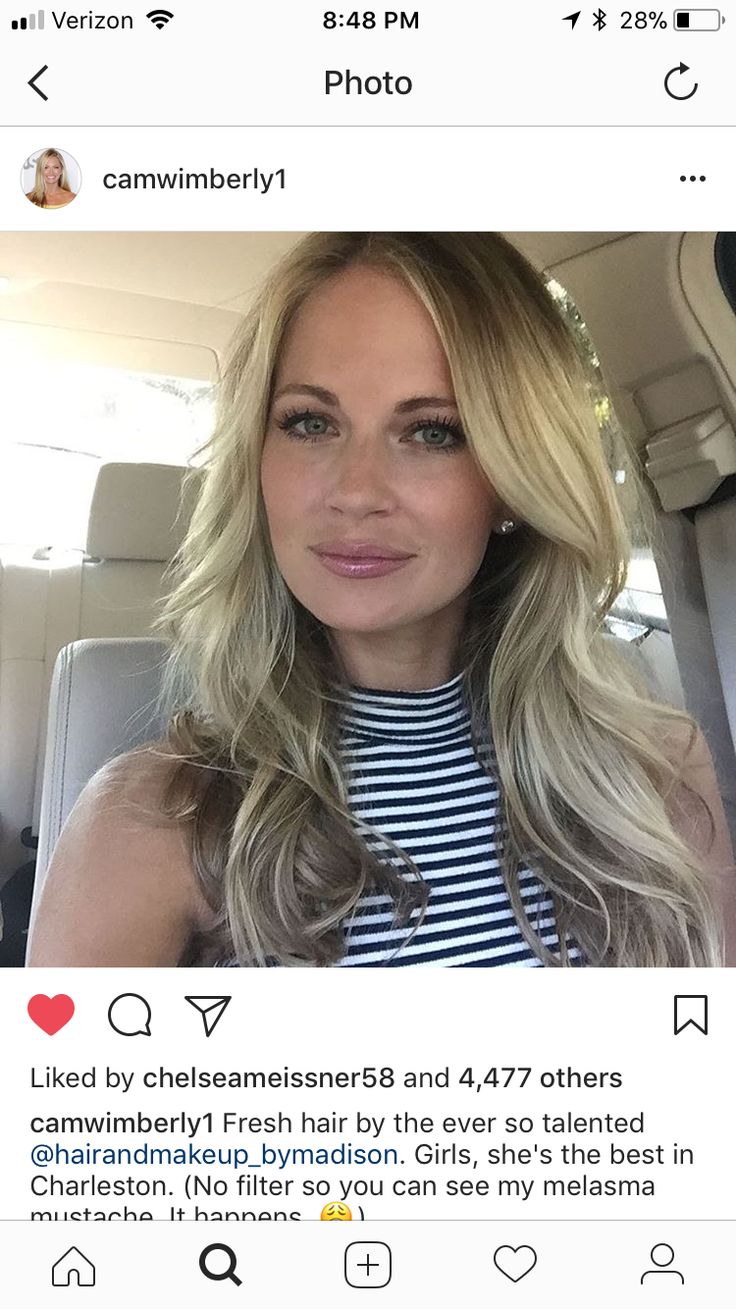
{"x":34,"y":79}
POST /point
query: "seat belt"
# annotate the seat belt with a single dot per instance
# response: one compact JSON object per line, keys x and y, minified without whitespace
{"x":715,"y":529}
{"x":63,"y":623}
{"x":715,"y":533}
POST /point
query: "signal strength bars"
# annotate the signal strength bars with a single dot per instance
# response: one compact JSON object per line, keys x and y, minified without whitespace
{"x":34,"y":22}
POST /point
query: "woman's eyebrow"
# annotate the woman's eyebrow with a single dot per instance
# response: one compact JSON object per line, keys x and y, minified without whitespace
{"x":299,"y":388}
{"x":422,"y":401}
{"x":329,"y":397}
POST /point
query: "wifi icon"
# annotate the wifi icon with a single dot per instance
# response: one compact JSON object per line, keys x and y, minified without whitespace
{"x":160,"y":17}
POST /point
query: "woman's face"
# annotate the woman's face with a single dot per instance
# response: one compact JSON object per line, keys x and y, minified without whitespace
{"x":52,"y":170}
{"x":364,"y":448}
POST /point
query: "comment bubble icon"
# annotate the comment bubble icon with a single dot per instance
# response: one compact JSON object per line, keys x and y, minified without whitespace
{"x":130,"y":1015}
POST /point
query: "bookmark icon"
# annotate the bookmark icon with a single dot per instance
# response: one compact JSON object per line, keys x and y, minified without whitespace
{"x":211,"y":1007}
{"x":691,"y":1011}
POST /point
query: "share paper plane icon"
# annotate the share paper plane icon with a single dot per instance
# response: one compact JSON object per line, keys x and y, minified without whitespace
{"x":211,"y":1007}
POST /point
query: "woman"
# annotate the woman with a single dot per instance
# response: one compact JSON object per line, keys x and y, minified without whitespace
{"x":51,"y":188}
{"x":398,"y":732}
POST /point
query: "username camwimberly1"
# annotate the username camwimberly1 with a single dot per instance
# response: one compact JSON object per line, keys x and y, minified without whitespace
{"x":208,"y":180}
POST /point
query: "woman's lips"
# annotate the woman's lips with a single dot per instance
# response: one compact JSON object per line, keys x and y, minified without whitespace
{"x":350,"y":566}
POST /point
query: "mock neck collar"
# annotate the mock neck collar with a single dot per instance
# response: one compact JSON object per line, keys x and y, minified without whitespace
{"x":435,"y":712}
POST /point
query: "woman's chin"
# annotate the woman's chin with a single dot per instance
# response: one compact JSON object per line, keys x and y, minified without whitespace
{"x":359,"y":619}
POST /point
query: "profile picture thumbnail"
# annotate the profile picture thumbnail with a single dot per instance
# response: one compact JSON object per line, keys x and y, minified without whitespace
{"x":51,"y":178}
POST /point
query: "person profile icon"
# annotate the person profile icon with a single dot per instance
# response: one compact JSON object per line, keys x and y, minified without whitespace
{"x":50,"y":179}
{"x":662,"y":1255}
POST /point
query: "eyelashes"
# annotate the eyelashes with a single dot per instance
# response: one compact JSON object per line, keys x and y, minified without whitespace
{"x":290,"y":421}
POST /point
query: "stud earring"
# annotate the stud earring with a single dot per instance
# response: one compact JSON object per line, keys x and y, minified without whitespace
{"x":508,"y":525}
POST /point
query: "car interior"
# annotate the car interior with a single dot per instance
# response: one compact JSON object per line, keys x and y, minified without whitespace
{"x":112,"y":346}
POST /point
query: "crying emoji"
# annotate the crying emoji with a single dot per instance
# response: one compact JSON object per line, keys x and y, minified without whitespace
{"x":335,"y":1209}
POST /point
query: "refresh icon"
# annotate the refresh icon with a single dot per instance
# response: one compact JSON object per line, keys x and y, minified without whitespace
{"x":681,"y":68}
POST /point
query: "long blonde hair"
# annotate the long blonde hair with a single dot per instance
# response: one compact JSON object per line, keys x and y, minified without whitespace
{"x":37,"y":195}
{"x":253,"y":686}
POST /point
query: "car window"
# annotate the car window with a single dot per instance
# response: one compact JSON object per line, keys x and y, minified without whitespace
{"x":59,"y":427}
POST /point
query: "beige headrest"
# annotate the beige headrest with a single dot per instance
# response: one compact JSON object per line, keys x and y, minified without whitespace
{"x":135,"y":511}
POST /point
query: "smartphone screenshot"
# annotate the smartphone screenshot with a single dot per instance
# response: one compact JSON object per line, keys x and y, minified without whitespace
{"x":367,"y":592}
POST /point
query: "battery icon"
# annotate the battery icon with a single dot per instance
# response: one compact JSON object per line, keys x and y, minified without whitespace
{"x":697,"y":20}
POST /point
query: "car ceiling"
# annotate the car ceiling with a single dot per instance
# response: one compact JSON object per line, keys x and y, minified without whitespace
{"x":219,"y":269}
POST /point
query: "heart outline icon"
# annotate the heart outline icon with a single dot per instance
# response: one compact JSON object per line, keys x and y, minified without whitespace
{"x":50,"y":1013}
{"x":517,"y":1267}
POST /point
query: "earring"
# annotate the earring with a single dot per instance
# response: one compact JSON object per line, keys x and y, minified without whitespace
{"x":508,"y":525}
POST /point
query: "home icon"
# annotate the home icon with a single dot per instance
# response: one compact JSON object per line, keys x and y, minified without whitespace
{"x":73,"y":1267}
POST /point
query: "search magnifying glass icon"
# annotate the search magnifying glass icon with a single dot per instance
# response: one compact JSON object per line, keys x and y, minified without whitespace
{"x":218,"y":1274}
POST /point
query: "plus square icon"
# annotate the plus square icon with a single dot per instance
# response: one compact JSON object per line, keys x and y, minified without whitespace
{"x":367,"y":1264}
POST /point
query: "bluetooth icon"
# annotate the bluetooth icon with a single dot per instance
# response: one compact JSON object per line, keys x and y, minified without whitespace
{"x":599,"y":19}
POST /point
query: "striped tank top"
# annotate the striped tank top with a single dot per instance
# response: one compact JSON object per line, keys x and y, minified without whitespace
{"x":412,"y":774}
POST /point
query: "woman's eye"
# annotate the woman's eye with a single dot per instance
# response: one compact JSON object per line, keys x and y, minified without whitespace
{"x":305,"y":425}
{"x":438,"y":436}
{"x":314,"y":426}
{"x":434,"y":435}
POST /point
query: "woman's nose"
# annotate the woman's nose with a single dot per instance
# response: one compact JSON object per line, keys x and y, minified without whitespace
{"x":362,"y":476}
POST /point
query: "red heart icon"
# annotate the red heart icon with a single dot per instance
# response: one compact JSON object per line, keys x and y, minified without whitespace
{"x":50,"y":1013}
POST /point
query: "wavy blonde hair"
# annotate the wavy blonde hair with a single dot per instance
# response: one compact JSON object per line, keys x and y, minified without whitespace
{"x":253,"y":684}
{"x":37,"y":195}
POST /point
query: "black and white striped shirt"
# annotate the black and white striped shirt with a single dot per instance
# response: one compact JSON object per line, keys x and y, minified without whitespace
{"x":412,"y":774}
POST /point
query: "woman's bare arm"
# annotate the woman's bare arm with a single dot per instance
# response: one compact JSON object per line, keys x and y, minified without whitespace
{"x":120,"y":890}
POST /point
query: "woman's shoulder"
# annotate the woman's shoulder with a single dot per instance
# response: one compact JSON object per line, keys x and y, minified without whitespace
{"x":153,"y":784}
{"x":124,"y":803}
{"x":137,"y":777}
{"x":121,"y":889}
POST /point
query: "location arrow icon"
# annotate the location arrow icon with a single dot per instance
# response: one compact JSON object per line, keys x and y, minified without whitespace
{"x":211,"y":1007}
{"x":34,"y":79}
{"x":572,"y":18}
